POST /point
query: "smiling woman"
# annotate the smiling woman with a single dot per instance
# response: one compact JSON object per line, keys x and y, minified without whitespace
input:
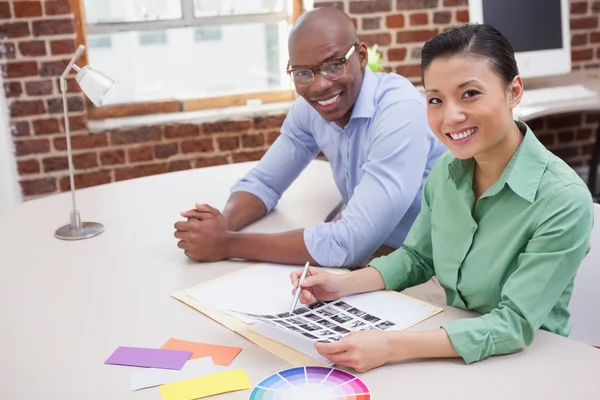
{"x":504,"y":224}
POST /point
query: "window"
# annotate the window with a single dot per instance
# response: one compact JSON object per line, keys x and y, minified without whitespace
{"x":191,"y":51}
{"x":208,"y":33}
{"x":152,"y":37}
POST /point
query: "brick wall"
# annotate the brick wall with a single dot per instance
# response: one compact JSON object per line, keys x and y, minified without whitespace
{"x":38,"y":40}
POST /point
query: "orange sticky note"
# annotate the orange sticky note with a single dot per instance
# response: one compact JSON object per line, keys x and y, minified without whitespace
{"x":221,"y":355}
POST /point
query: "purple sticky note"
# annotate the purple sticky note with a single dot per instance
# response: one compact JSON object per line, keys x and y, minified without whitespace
{"x":142,"y":357}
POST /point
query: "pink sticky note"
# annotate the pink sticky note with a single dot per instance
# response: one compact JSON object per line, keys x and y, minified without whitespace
{"x":143,"y":357}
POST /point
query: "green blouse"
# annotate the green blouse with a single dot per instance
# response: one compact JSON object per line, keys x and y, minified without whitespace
{"x":511,"y":256}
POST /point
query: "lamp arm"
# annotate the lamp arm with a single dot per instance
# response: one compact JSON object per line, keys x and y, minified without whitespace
{"x":75,"y":218}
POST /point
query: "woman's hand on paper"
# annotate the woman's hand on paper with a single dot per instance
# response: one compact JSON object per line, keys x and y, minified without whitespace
{"x":363,"y":350}
{"x":318,"y":285}
{"x":203,"y":237}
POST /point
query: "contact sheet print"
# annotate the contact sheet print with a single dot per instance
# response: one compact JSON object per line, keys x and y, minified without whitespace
{"x":324,"y":322}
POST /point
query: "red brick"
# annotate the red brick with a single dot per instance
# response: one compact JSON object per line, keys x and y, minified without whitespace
{"x":587,"y":149}
{"x":46,"y":126}
{"x":64,"y":46}
{"x":137,"y":154}
{"x":363,"y":7}
{"x":381,"y":39}
{"x":564,"y":121}
{"x":395,"y":21}
{"x":72,"y":86}
{"x":14,"y":29}
{"x":442,"y":17}
{"x":227,"y":126}
{"x":596,"y":7}
{"x":416,"y":4}
{"x":547,"y":139}
{"x":228,"y":143}
{"x":247,"y":156}
{"x":566,"y":136}
{"x":26,"y":167}
{"x":20,"y":69}
{"x":32,"y":146}
{"x":138,"y":135}
{"x":85,"y":161}
{"x":371,"y":23}
{"x":421,"y":35}
{"x":579,"y":7}
{"x":584,"y":134}
{"x":210,"y":161}
{"x":112,"y":157}
{"x":53,"y":27}
{"x":38,"y":186}
{"x":165,"y":150}
{"x":267,"y":122}
{"x":53,"y":68}
{"x":592,"y":117}
{"x":27,"y":9}
{"x":7,"y":51}
{"x":254,"y":140}
{"x":579,"y":39}
{"x":122,"y":174}
{"x":12,"y":89}
{"x":537,"y":124}
{"x":454,"y":3}
{"x":52,"y":164}
{"x":20,"y":128}
{"x":179,"y":165}
{"x":82,"y":141}
{"x":335,"y":4}
{"x":5,"y":10}
{"x":355,"y":23}
{"x":584,"y":23}
{"x":76,"y":123}
{"x":39,"y":88}
{"x":80,"y":161}
{"x":462,"y":16}
{"x":582,"y":55}
{"x":409,"y":70}
{"x":272,"y":136}
{"x":74,"y":104}
{"x":86,"y":180}
{"x":595,"y":37}
{"x":181,"y":131}
{"x":57,"y":7}
{"x":397,"y":54}
{"x":24,"y":108}
{"x":197,"y":146}
{"x":419,"y":19}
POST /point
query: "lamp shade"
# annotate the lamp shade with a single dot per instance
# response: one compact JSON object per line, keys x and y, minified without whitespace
{"x":94,"y":84}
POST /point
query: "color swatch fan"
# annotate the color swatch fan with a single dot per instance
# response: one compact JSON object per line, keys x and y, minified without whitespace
{"x":314,"y":383}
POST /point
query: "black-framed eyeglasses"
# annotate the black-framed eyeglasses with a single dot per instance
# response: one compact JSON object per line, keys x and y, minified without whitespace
{"x":332,"y":69}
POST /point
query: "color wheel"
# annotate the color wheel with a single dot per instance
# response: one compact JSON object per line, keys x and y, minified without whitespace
{"x":313,"y":383}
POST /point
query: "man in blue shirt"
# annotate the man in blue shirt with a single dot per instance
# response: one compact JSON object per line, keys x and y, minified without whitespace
{"x":373,"y":129}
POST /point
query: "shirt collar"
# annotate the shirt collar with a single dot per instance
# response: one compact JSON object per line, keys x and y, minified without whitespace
{"x":364,"y":107}
{"x":523,"y":172}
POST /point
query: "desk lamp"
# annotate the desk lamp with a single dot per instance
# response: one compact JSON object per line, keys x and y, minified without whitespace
{"x":96,"y":86}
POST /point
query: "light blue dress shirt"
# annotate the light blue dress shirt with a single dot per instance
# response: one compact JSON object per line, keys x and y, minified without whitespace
{"x":379,"y":162}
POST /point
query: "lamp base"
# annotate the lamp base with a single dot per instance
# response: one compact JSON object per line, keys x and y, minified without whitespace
{"x":88,"y":230}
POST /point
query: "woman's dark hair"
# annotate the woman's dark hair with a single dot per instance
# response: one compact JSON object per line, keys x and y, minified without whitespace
{"x":473,"y":39}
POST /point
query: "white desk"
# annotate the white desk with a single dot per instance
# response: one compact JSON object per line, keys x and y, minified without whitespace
{"x":66,"y":306}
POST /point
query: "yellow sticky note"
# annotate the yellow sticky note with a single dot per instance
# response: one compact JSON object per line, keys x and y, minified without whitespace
{"x":208,"y":385}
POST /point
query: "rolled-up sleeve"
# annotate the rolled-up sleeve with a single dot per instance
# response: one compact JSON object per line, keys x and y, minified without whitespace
{"x":546,"y":268}
{"x":283,"y":162}
{"x":392,"y":178}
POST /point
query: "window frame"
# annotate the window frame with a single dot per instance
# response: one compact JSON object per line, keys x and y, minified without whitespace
{"x":189,"y":20}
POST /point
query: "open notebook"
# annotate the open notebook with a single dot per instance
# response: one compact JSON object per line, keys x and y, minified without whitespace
{"x":260,"y":296}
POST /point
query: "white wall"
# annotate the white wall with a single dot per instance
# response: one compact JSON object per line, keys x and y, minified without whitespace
{"x":9,"y":187}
